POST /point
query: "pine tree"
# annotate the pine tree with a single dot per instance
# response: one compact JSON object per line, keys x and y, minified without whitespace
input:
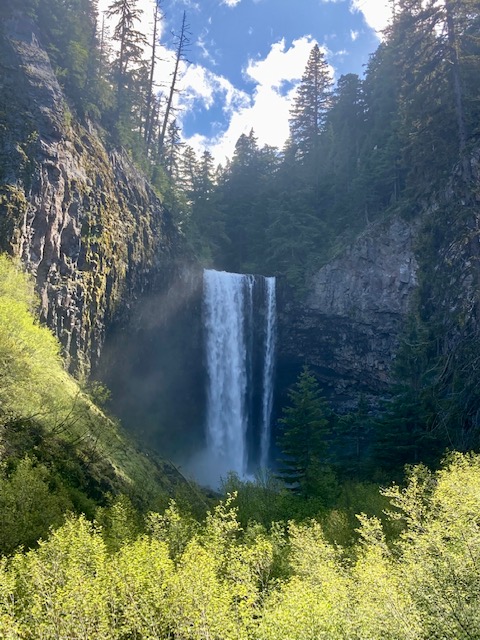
{"x":379,"y":177}
{"x":345,"y":126}
{"x":305,"y":430}
{"x":310,"y":107}
{"x":239,"y":194}
{"x":68,"y":28}
{"x":131,"y":45}
{"x":408,"y":432}
{"x":430,"y":41}
{"x":150,"y":101}
{"x":207,"y":229}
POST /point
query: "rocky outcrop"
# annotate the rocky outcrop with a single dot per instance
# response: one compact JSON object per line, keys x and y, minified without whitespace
{"x":84,"y":221}
{"x":348,"y":326}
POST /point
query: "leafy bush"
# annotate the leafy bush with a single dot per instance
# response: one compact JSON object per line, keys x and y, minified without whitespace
{"x":220,"y":581}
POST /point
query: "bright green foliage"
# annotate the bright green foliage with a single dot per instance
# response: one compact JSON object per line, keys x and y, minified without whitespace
{"x":140,"y":577}
{"x":29,"y":505}
{"x":62,"y":585}
{"x":441,"y":546}
{"x":261,"y":500}
{"x":9,"y":624}
{"x":58,"y":450}
{"x":30,"y":365}
{"x":384,"y":609}
{"x":120,"y":522}
{"x":313,"y":603}
{"x":200,"y":607}
{"x":421,"y":584}
{"x":172,"y":527}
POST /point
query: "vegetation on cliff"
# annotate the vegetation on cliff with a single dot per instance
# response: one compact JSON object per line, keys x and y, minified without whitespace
{"x":59,"y":451}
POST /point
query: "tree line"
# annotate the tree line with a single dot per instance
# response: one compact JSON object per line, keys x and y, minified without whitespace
{"x":111,"y":78}
{"x":357,"y":151}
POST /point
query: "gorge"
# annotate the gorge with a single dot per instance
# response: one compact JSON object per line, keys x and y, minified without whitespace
{"x":190,"y":450}
{"x":120,"y":280}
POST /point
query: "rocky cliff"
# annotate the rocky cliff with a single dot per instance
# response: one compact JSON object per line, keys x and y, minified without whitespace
{"x":349,"y":324}
{"x":84,"y":221}
{"x":99,"y":242}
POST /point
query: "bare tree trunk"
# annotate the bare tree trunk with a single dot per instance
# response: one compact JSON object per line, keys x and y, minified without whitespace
{"x":182,"y":44}
{"x":149,"y":110}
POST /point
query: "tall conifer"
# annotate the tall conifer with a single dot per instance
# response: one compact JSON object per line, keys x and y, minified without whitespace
{"x":310,"y":107}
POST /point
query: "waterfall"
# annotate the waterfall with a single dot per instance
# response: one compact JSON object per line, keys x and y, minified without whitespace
{"x":239,"y":321}
{"x":268,"y":369}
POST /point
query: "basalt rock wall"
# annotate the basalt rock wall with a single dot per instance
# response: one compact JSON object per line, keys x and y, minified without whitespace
{"x":348,"y":325}
{"x":83,"y":220}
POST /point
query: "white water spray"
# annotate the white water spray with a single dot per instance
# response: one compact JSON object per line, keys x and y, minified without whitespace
{"x":233,"y":331}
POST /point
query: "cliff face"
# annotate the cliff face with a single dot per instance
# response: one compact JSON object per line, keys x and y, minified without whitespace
{"x":348,"y":326}
{"x":84,"y":221}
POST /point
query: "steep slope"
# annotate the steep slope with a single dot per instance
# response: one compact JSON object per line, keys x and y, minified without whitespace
{"x":84,"y":221}
{"x":349,"y":324}
{"x":94,"y":236}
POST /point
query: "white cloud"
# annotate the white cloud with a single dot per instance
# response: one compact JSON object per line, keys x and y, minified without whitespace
{"x":205,"y":50}
{"x":267,"y":109}
{"x":377,"y":13}
{"x":281,"y":65}
{"x":354,"y":35}
{"x":267,"y":112}
{"x":198,"y":84}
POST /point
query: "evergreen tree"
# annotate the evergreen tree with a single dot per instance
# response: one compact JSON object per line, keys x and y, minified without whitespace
{"x":304,"y":432}
{"x":150,"y":98}
{"x":308,"y":114}
{"x":345,"y":133}
{"x":207,"y":229}
{"x":241,"y":191}
{"x":127,"y":66}
{"x":430,"y":41}
{"x":408,"y":432}
{"x":353,"y":440}
{"x":379,"y":180}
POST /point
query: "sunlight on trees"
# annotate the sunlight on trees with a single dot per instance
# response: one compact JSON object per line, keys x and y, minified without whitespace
{"x":422,"y":583}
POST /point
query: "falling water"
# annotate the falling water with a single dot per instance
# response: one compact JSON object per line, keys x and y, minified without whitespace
{"x":239,"y":317}
{"x":268,"y":370}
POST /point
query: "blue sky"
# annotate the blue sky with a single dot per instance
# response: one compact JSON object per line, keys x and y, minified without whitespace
{"x":247,"y":56}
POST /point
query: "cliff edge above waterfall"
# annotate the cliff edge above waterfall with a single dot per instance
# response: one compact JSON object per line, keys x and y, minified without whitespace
{"x":350,"y":323}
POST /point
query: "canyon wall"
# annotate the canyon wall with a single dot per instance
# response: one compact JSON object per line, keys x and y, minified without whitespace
{"x":83,"y":220}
